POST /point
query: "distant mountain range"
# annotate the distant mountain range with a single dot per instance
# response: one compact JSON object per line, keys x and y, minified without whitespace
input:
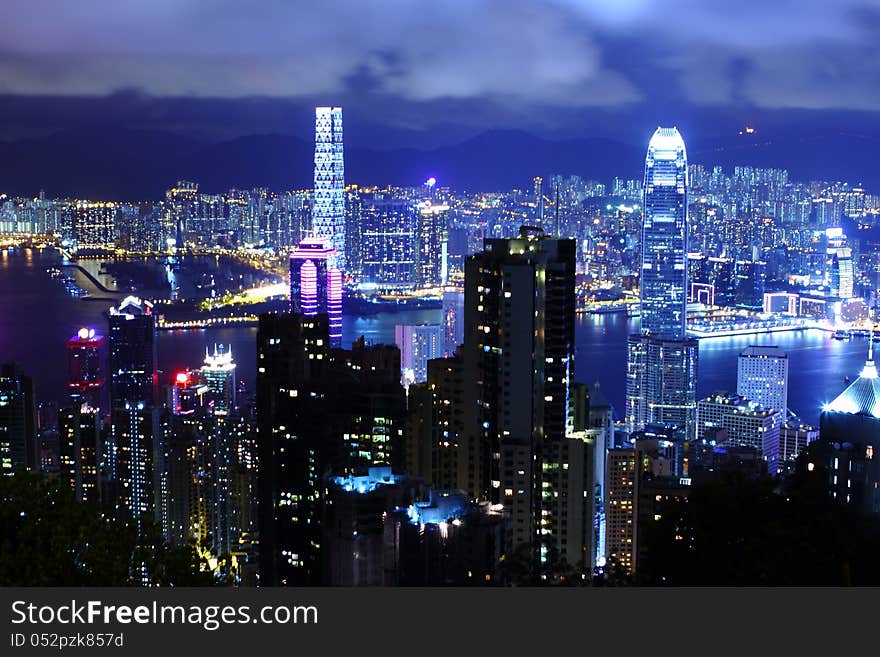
{"x":129,"y":164}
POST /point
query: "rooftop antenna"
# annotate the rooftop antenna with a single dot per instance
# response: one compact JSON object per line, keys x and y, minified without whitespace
{"x":557,"y":210}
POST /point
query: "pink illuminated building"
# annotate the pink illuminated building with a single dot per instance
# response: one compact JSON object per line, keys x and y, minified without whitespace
{"x":316,"y":283}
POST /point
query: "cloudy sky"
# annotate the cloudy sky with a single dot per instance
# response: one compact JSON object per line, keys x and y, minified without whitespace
{"x":453,"y":64}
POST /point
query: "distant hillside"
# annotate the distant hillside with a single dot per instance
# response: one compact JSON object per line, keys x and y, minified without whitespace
{"x":119,"y":163}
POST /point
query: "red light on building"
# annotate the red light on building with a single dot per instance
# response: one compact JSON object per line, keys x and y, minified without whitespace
{"x":182,"y":379}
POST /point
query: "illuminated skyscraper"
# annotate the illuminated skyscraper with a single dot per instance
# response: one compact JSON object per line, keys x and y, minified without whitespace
{"x":79,"y":425}
{"x":86,"y":372}
{"x":664,"y":236}
{"x":432,"y":245}
{"x":389,"y":240}
{"x":133,"y":390}
{"x":661,"y":361}
{"x":316,"y":283}
{"x":95,"y":225}
{"x":328,"y":218}
{"x":218,"y":373}
{"x":18,"y":447}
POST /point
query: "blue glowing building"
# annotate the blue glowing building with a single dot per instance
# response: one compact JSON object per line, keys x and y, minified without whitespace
{"x":664,"y":236}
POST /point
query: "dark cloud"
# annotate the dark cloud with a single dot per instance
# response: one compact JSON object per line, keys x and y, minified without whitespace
{"x":412,"y":66}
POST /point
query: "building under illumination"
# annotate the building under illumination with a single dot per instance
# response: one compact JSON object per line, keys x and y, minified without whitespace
{"x":418,"y":343}
{"x":762,"y":376}
{"x":389,"y":225}
{"x":316,"y":283}
{"x":848,"y":448}
{"x":661,"y":361}
{"x":85,"y":366}
{"x":218,"y":373}
{"x":328,"y":211}
{"x":133,"y":392}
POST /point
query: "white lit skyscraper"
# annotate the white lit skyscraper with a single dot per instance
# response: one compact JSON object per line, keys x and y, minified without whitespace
{"x":762,"y":376}
{"x":218,"y":372}
{"x":328,"y":213}
{"x":664,"y":236}
{"x":661,"y":360}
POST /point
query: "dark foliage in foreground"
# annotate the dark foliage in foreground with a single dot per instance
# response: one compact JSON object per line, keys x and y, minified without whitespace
{"x":743,"y":531}
{"x":48,"y":538}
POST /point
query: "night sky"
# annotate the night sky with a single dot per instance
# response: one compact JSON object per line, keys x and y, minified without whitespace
{"x":439,"y":71}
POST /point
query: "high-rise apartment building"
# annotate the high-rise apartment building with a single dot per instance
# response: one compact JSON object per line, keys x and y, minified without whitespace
{"x":18,"y":447}
{"x":432,"y":245}
{"x":133,"y":392}
{"x":519,"y":363}
{"x":328,"y":211}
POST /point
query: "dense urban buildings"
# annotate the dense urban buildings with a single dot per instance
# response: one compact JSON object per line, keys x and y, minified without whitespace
{"x":454,"y":445}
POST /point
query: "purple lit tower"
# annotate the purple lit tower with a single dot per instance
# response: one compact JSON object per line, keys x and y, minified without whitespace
{"x":316,"y":283}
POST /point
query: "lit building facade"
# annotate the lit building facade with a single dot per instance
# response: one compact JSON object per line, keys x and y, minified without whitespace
{"x":418,"y":343}
{"x":218,"y":374}
{"x":95,"y":225}
{"x":762,"y":376}
{"x":663,"y":279}
{"x":389,"y":225}
{"x":431,"y":266}
{"x":328,"y":211}
{"x":133,"y":392}
{"x":85,"y":366}
{"x":661,"y":362}
{"x":316,"y":283}
{"x":745,"y":423}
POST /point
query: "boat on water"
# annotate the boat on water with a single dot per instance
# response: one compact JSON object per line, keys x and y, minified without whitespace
{"x":841,"y":335}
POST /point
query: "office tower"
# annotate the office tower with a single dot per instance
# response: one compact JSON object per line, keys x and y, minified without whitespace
{"x":518,"y":355}
{"x":18,"y":447}
{"x":85,"y":366}
{"x":793,"y":439}
{"x":218,"y":373}
{"x":663,"y":280}
{"x":418,"y":343}
{"x":389,"y":240}
{"x":133,"y":392}
{"x":762,"y":376}
{"x":849,"y":441}
{"x":841,"y":272}
{"x":319,"y":413}
{"x":353,"y":233}
{"x":95,"y":226}
{"x":188,"y":393}
{"x":661,"y":381}
{"x":316,"y":283}
{"x":432,"y":244}
{"x":661,"y":361}
{"x":743,"y":422}
{"x":328,"y":212}
{"x":453,"y":321}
